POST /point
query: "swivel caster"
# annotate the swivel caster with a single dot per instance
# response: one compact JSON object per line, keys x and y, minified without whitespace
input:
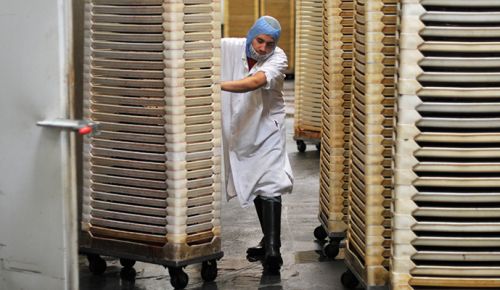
{"x":301,"y":146}
{"x":331,"y":249}
{"x":178,"y":278}
{"x":128,"y":274}
{"x":97,"y":265}
{"x":349,"y":280}
{"x":320,"y":233}
{"x":209,"y":270}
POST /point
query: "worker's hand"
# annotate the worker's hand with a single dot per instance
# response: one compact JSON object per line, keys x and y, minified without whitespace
{"x":247,"y":84}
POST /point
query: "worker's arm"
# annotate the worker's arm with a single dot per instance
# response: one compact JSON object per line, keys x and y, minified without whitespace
{"x":247,"y":84}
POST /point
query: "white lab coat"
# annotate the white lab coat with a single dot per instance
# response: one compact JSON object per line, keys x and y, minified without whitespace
{"x":253,"y":127}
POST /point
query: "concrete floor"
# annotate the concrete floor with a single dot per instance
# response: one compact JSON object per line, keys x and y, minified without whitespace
{"x":304,"y":265}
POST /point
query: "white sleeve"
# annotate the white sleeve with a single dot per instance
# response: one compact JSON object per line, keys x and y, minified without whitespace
{"x":274,"y":68}
{"x":231,"y":50}
{"x":225,"y":59}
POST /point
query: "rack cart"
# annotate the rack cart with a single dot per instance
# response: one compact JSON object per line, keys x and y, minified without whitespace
{"x":447,"y":223}
{"x":308,"y":84}
{"x":152,"y":177}
{"x":369,"y":234}
{"x":336,"y":102}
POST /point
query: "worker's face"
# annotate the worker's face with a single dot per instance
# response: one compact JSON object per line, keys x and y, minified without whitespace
{"x":263,"y":44}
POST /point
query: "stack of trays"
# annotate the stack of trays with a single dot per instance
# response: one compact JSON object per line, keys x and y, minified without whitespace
{"x":309,"y":61}
{"x":84,"y":199}
{"x":152,"y":186}
{"x":239,"y":17}
{"x":283,"y":10}
{"x":447,"y":198}
{"x":334,"y":155}
{"x":372,"y":118}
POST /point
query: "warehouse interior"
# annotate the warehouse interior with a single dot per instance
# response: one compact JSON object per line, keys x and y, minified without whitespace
{"x":392,"y":131}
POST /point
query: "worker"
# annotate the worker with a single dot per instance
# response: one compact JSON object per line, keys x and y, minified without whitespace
{"x":256,"y":165}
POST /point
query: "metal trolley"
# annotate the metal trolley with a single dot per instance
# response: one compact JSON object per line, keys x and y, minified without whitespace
{"x":308,"y":86}
{"x":369,"y":235}
{"x":447,"y":223}
{"x":336,"y":102}
{"x":152,"y":177}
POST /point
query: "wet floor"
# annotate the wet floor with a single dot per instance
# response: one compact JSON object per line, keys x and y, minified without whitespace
{"x":304,"y":265}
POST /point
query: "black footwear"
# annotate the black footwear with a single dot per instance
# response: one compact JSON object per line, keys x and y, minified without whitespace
{"x":272,"y":265}
{"x":257,"y":253}
{"x":271,"y":213}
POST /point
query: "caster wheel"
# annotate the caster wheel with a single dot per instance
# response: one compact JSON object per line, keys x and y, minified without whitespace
{"x":320,"y":233}
{"x":127,"y":263}
{"x":301,"y":146}
{"x":128,"y":274}
{"x":209,"y":270}
{"x":97,"y":265}
{"x":178,"y":278}
{"x":349,"y":280}
{"x":318,"y":146}
{"x":331,"y":250}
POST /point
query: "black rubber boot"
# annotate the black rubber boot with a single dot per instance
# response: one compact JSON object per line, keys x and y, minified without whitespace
{"x":271,"y":212}
{"x":257,"y":253}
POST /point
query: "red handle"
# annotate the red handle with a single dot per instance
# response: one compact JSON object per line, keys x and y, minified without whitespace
{"x":85,"y":130}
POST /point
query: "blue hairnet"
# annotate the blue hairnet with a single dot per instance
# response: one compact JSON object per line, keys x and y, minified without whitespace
{"x":264,"y":25}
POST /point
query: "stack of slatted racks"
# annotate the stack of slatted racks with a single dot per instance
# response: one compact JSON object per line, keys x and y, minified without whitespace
{"x":152,"y":186}
{"x":447,"y":194}
{"x":334,"y":154}
{"x":369,"y":236}
{"x":309,"y":60}
{"x":84,"y":199}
